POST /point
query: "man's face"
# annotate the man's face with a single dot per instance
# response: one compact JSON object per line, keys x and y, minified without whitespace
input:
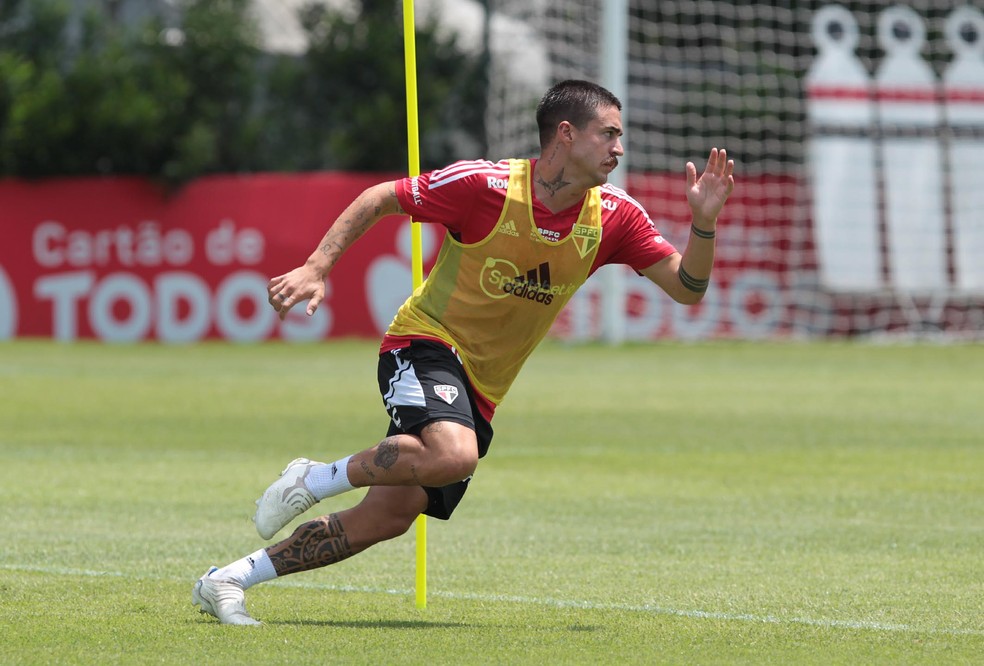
{"x":597,"y":146}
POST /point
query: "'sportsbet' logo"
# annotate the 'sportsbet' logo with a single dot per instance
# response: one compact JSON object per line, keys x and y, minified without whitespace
{"x":501,"y":278}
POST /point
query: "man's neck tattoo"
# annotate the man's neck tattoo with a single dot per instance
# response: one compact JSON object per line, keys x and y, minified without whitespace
{"x":554,"y":185}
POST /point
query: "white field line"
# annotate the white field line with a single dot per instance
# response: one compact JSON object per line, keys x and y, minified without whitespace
{"x":553,"y":603}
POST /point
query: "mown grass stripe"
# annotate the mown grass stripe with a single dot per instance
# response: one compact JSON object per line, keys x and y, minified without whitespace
{"x":824,"y":623}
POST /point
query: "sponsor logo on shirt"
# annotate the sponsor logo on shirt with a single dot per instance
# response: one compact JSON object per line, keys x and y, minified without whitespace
{"x":500,"y":278}
{"x":497,"y":183}
{"x":415,"y":190}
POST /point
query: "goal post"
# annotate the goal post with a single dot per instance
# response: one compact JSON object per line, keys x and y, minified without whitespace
{"x":857,"y":130}
{"x":614,"y":76}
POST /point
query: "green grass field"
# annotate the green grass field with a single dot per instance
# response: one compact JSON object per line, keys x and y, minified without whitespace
{"x":683,"y":504}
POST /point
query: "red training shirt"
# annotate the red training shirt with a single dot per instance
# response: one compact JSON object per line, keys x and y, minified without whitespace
{"x":467,"y":198}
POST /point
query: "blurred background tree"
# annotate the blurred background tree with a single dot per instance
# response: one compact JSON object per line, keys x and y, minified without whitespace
{"x":174,"y":103}
{"x":342,"y":104}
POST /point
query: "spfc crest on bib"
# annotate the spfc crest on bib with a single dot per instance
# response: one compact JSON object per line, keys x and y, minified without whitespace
{"x":585,"y":239}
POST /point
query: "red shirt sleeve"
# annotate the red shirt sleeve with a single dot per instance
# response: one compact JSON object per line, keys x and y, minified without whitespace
{"x":457,"y":196}
{"x":630,"y":237}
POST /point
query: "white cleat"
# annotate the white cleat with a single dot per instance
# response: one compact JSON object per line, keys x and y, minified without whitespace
{"x":222,"y":599}
{"x":285,"y":499}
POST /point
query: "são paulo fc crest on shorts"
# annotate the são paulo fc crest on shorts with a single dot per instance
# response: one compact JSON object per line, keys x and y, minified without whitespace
{"x":446,"y":392}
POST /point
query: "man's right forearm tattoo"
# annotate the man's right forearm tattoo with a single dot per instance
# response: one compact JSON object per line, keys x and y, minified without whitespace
{"x":351,"y":229}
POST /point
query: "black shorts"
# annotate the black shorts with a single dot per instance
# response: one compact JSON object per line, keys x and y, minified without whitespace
{"x":423,"y":383}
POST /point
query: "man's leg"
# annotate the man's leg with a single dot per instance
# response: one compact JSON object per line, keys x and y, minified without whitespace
{"x":444,"y":452}
{"x":386,"y":512}
{"x":431,"y":443}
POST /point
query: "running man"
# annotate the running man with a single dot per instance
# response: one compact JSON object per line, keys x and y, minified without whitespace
{"x":521,"y":236}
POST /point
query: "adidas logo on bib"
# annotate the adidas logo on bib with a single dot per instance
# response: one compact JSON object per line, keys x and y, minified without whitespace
{"x":509,"y":228}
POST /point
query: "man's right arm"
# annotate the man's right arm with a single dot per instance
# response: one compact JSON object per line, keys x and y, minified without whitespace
{"x":307,"y":282}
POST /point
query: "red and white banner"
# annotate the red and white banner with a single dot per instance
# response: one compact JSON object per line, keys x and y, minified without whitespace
{"x":120,"y":260}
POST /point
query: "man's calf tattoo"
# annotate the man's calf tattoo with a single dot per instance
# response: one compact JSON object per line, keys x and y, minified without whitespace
{"x":314,"y":544}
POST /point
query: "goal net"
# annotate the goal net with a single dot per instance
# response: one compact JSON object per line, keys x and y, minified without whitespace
{"x":858,"y":133}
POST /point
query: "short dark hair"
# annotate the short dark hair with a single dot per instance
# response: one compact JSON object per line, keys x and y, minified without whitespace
{"x":574,"y":101}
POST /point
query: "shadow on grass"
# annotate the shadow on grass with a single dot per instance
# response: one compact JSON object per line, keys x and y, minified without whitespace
{"x":372,"y":624}
{"x":406,"y":624}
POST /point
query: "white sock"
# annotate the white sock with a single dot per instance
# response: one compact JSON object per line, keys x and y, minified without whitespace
{"x":252,"y":569}
{"x":329,"y":479}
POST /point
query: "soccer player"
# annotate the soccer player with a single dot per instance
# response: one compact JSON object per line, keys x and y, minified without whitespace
{"x":521,"y":237}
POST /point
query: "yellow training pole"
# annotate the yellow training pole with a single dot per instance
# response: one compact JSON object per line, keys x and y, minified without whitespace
{"x":416,"y":258}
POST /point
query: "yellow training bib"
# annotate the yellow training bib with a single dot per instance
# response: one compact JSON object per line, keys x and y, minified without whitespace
{"x":495,"y":300}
